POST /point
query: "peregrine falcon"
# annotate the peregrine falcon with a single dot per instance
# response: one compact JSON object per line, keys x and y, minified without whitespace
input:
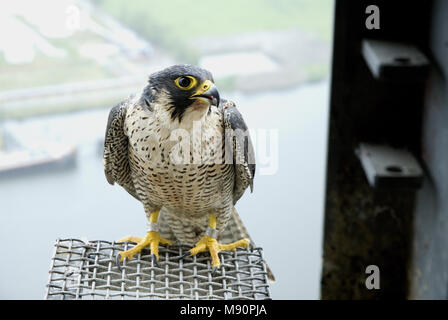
{"x":187,"y":156}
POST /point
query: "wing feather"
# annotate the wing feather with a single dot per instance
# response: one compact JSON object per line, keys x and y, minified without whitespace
{"x":115,"y":156}
{"x":239,"y":147}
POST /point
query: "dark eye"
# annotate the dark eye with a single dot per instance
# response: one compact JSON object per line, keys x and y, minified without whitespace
{"x":184,"y":82}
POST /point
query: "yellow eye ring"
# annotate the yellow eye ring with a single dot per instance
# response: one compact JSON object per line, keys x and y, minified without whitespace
{"x":185,"y":82}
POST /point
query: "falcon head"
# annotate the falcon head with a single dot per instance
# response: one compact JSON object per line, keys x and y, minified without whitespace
{"x":183,"y":89}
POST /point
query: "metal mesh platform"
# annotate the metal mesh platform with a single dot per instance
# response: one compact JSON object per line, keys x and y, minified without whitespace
{"x":87,"y":270}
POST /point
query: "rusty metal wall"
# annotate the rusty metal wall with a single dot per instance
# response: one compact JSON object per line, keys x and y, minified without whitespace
{"x":365,"y":225}
{"x":428,"y":270}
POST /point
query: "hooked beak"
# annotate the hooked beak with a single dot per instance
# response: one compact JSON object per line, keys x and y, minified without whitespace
{"x":207,"y":92}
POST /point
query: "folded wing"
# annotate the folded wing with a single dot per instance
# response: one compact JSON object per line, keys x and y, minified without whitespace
{"x":115,"y":156}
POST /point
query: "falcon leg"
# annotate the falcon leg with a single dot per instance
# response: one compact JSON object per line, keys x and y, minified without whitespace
{"x":209,"y":243}
{"x":151,"y":240}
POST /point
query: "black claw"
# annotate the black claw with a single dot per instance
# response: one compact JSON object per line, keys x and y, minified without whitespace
{"x":251,"y":246}
{"x":154,"y":259}
{"x":184,"y":255}
{"x":214,"y":271}
{"x":118,"y":262}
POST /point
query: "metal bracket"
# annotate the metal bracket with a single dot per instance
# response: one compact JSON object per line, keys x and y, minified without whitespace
{"x":395,"y":61}
{"x":385,"y":166}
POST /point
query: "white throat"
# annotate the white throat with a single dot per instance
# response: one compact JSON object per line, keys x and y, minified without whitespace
{"x":194,"y":113}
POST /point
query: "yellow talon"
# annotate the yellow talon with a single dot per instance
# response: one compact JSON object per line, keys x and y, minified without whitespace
{"x":151,"y":240}
{"x":212,"y":245}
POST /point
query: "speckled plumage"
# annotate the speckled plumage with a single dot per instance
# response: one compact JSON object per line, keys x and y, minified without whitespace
{"x":146,"y":137}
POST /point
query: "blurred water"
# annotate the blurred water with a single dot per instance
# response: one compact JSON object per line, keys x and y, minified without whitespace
{"x":284,"y":215}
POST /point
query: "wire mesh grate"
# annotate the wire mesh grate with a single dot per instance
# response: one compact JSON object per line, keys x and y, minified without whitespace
{"x":87,"y":270}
